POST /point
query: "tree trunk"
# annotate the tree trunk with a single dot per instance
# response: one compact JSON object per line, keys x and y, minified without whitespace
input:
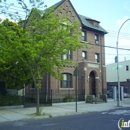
{"x":37,"y":109}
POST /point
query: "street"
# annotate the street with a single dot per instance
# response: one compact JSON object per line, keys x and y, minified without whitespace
{"x":105,"y":120}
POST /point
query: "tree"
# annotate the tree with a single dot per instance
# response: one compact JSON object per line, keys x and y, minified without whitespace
{"x":13,"y":72}
{"x":41,"y":39}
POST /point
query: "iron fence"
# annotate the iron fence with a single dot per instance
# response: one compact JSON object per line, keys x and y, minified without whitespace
{"x":53,"y":96}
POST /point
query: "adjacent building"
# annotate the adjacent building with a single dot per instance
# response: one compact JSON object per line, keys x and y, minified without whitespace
{"x":90,"y":62}
{"x":124,"y":75}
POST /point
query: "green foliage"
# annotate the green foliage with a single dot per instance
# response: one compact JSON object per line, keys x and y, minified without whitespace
{"x":40,"y":111}
{"x":34,"y":45}
{"x":30,"y":51}
{"x":10,"y":100}
{"x":38,"y":85}
{"x":103,"y":97}
{"x":2,"y":89}
{"x":69,"y":98}
{"x":13,"y":71}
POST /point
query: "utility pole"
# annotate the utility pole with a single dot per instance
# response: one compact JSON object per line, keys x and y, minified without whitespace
{"x":118,"y":74}
{"x":102,"y":72}
{"x":76,"y":74}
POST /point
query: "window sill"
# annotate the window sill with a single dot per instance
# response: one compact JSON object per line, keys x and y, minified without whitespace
{"x":66,"y":88}
{"x":84,"y":41}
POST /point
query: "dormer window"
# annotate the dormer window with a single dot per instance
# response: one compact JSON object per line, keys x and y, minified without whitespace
{"x":93,"y":22}
{"x":96,"y":24}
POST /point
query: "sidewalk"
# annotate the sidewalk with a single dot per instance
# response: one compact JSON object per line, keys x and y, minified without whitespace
{"x":59,"y":109}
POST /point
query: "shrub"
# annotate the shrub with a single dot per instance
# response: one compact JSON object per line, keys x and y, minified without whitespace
{"x":90,"y":99}
{"x":69,"y":98}
{"x":103,"y":97}
{"x":81,"y":98}
{"x":10,"y":100}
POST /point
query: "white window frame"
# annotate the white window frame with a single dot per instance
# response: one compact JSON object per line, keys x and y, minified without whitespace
{"x":97,"y":59}
{"x":66,"y":82}
{"x":96,"y":39}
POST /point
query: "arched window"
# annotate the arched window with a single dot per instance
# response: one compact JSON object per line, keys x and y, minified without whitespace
{"x":66,"y":82}
{"x":66,"y":22}
{"x":67,"y":25}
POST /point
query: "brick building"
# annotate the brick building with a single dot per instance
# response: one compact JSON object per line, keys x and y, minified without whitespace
{"x":91,"y":62}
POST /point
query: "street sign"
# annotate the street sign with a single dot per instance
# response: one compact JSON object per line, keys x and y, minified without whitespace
{"x":76,"y":71}
{"x":115,"y":68}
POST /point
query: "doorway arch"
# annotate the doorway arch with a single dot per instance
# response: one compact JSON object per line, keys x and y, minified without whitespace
{"x":92,"y":83}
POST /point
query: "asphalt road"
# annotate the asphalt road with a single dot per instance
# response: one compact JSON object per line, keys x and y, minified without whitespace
{"x":106,"y":120}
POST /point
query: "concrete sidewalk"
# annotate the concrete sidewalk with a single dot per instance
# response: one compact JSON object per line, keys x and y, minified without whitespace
{"x":59,"y":109}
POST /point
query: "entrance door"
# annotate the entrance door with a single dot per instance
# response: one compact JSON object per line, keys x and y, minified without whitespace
{"x":92,"y":84}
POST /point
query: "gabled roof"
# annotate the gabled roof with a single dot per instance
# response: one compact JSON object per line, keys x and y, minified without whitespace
{"x":57,"y":4}
{"x":85,"y":22}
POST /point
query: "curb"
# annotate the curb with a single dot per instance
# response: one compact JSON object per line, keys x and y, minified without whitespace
{"x":11,"y":107}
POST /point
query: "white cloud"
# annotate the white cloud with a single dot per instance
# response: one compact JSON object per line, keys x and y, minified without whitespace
{"x":127,"y":6}
{"x":2,"y":18}
{"x":120,"y":21}
{"x":124,"y":43}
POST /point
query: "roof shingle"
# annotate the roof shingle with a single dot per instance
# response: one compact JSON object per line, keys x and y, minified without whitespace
{"x":84,"y":20}
{"x":87,"y":24}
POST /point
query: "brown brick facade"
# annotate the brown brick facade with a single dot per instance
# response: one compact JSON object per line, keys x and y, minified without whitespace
{"x":90,"y":65}
{"x":92,"y":79}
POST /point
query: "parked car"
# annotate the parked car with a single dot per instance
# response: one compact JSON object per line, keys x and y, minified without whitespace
{"x":126,"y":95}
{"x":110,"y":94}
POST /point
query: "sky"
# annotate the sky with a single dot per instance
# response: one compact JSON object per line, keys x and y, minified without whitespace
{"x":111,"y":14}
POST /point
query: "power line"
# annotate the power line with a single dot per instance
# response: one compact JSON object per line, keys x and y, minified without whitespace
{"x":13,"y":13}
{"x":11,"y":3}
{"x":121,"y":37}
{"x":111,"y":33}
{"x":108,"y":46}
{"x":114,"y":34}
{"x":117,"y":32}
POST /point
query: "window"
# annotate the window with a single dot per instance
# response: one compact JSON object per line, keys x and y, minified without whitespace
{"x":60,"y":13}
{"x":127,"y":68}
{"x":96,"y":24}
{"x":66,"y":82}
{"x":67,"y":56}
{"x":96,"y":39}
{"x":83,"y":36}
{"x":127,"y":80}
{"x":96,"y":57}
{"x":84,"y":55}
{"x":66,"y":25}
